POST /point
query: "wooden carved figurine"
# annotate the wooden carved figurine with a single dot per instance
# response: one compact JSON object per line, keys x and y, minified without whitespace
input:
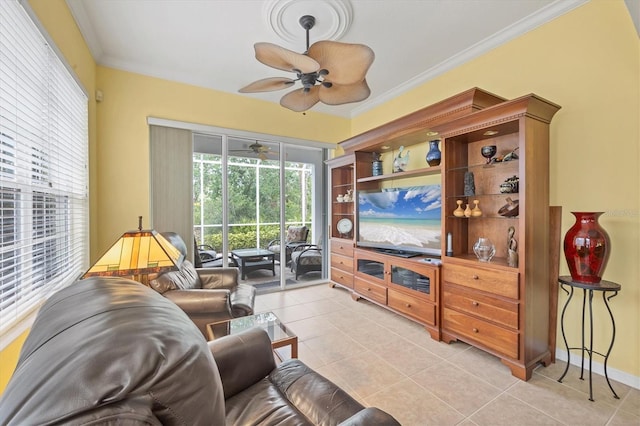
{"x":459,"y":212}
{"x":512,"y":248}
{"x":476,"y":212}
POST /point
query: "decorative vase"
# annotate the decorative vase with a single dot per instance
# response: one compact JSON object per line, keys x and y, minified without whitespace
{"x":467,"y":211}
{"x":586,"y":248}
{"x":376,"y":165}
{"x":459,"y":212}
{"x":484,"y":249}
{"x":476,"y":212}
{"x":434,"y":155}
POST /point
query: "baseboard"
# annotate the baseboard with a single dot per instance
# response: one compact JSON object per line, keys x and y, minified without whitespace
{"x":598,"y":368}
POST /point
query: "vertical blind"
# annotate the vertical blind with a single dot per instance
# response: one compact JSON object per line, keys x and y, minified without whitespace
{"x":43,"y":169}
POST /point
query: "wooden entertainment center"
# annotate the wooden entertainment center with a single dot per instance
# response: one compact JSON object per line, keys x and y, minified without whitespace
{"x":499,"y":306}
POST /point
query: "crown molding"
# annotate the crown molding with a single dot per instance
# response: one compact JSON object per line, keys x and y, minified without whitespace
{"x":79,"y":14}
{"x":535,"y":20}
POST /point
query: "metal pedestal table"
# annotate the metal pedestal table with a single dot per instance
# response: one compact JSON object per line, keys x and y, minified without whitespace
{"x":587,"y":291}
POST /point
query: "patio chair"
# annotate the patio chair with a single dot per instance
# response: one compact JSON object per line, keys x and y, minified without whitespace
{"x":306,"y":258}
{"x":205,"y":256}
{"x":296,"y":236}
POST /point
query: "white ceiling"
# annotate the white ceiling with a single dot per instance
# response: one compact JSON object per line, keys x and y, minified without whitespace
{"x":209,"y":43}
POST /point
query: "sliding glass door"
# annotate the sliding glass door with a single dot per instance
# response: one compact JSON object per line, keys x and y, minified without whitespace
{"x":255,"y":202}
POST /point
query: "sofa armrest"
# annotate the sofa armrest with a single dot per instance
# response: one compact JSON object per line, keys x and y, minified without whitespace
{"x":243,"y":359}
{"x":218,"y":277}
{"x":197,"y":301}
{"x":370,"y":416}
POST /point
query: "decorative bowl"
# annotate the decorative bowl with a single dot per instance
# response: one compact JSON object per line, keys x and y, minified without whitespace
{"x":488,"y":152}
{"x":511,"y":209}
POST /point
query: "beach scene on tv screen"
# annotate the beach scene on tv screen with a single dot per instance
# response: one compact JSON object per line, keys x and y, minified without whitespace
{"x":405,"y":217}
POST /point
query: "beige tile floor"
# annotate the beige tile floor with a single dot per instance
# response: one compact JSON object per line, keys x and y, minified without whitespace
{"x":386,"y":361}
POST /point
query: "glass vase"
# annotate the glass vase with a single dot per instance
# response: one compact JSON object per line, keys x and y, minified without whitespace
{"x":586,"y":248}
{"x":484,"y":249}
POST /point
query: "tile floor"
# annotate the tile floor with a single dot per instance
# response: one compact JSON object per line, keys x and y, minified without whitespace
{"x":386,"y":361}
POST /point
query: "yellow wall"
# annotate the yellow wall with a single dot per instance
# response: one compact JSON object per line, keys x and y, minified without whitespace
{"x":123,"y":148}
{"x":586,"y":61}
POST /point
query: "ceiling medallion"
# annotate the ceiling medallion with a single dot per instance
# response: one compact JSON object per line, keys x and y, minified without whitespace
{"x":333,"y":18}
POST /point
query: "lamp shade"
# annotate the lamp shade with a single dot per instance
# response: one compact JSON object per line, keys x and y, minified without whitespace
{"x":137,"y":253}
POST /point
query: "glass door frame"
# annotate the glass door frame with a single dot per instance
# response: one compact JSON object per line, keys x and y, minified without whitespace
{"x":320,"y":179}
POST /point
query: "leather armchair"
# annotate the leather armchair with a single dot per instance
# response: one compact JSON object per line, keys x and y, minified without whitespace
{"x":205,"y":294}
{"x":108,"y":350}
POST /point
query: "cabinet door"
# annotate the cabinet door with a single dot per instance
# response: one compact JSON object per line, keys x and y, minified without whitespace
{"x":414,"y":277}
{"x":370,"y":269}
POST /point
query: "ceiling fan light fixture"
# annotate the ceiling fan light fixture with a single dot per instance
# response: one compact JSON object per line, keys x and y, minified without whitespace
{"x":330,"y":72}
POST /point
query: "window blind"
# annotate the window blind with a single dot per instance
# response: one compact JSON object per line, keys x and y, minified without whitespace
{"x":43,"y":169}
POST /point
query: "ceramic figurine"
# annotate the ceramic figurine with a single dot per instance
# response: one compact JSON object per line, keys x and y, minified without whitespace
{"x":469,"y":184}
{"x":400,"y":162}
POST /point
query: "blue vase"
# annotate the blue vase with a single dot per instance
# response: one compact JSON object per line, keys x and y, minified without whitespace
{"x":434,"y":155}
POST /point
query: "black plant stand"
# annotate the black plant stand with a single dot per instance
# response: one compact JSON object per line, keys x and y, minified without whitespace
{"x":588,"y":289}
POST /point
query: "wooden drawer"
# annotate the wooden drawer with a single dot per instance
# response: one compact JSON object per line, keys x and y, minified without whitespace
{"x":342,"y":248}
{"x":342,"y":262}
{"x":342,"y":277}
{"x":415,"y":307}
{"x":375,"y":292}
{"x":500,"y":282}
{"x":495,"y":310}
{"x":492,"y":336}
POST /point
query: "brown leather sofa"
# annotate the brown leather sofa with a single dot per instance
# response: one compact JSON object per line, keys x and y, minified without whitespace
{"x":111,"y":351}
{"x":258,"y":392}
{"x":205,"y":294}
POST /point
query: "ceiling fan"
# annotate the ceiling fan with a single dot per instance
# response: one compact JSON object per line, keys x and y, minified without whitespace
{"x":331,"y":72}
{"x":262,"y":151}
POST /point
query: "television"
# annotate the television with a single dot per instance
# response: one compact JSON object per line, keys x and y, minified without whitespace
{"x":402,"y":221}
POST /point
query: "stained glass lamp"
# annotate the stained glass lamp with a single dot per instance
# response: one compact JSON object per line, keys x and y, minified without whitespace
{"x":137,"y":254}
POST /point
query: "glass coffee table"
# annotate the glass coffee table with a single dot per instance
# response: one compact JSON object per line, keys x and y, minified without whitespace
{"x":279,"y":334}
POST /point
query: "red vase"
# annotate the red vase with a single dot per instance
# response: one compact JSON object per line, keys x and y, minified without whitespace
{"x":586,"y":248}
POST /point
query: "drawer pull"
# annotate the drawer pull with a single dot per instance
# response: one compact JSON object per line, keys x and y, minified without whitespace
{"x":408,"y":305}
{"x":368,"y":289}
{"x":474,"y":303}
{"x":475,"y":330}
{"x":341,"y":262}
{"x":475,"y":277}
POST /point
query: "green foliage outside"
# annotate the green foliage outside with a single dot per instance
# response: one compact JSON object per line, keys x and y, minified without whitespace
{"x":246,"y":178}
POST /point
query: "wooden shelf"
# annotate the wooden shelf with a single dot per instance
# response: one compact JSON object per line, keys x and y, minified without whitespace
{"x":433,"y":170}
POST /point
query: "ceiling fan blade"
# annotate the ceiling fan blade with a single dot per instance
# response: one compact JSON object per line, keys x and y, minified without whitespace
{"x":267,"y":85}
{"x":339,"y":94}
{"x":347,"y":63}
{"x":299,"y":100}
{"x":284,"y":59}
